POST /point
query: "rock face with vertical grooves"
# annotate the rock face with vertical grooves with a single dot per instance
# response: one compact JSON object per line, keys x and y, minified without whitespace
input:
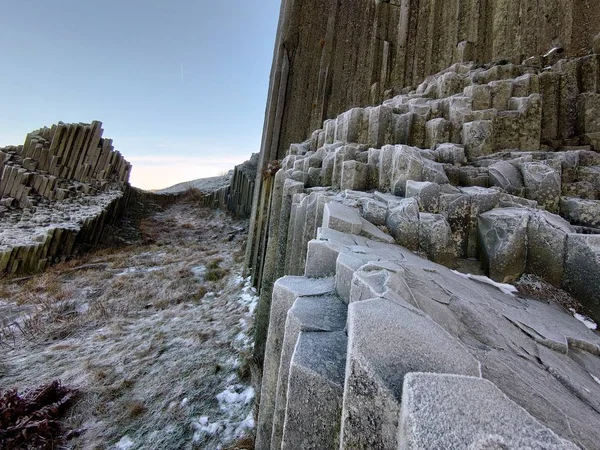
{"x":394,"y":182}
{"x":59,"y":191}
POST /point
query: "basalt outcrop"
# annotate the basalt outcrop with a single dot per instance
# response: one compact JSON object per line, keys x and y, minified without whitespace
{"x":59,"y":191}
{"x":236,"y":197}
{"x":383,"y":248}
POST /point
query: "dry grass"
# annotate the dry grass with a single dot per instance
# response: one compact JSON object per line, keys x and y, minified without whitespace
{"x":136,"y":330}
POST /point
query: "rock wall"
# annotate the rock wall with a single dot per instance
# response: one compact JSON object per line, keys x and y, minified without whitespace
{"x":331,"y":56}
{"x":59,"y":191}
{"x":237,"y":196}
{"x":363,"y":249}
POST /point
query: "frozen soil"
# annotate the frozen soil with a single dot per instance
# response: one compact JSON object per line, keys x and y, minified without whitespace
{"x":155,"y":336}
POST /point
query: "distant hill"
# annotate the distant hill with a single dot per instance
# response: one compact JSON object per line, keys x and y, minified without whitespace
{"x":205,"y":185}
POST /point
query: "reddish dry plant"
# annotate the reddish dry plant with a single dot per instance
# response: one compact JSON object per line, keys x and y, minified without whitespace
{"x":30,"y":420}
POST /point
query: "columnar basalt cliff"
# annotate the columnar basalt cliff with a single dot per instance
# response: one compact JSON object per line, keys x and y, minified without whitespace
{"x":236,"y":197}
{"x":59,"y":191}
{"x":377,"y":326}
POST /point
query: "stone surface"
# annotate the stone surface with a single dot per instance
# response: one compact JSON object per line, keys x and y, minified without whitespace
{"x":452,"y":411}
{"x":403,"y":223}
{"x":316,"y":381}
{"x":285,"y":292}
{"x":503,"y":237}
{"x":376,"y":367}
{"x":582,"y":269}
{"x":580,"y":211}
{"x":308,"y":314}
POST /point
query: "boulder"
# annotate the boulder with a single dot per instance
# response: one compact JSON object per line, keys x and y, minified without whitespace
{"x":478,"y":138}
{"x":580,"y":211}
{"x":377,"y":365}
{"x":403,"y":223}
{"x":582,"y":270}
{"x":341,"y":218}
{"x":426,"y":193}
{"x":319,"y":313}
{"x":506,"y":176}
{"x":316,"y":386}
{"x":435,"y":238}
{"x":546,"y":246}
{"x":542,"y":184}
{"x":503,"y":242}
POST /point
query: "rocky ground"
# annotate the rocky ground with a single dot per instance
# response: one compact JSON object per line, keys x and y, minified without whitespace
{"x":154,"y":336}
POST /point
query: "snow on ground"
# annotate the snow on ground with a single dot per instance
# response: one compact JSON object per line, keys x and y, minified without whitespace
{"x":504,"y":287}
{"x":159,"y":354}
{"x":585,"y":320}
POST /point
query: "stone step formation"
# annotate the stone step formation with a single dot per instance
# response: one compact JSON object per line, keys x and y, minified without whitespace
{"x":60,"y":190}
{"x":368,"y":334}
{"x":59,"y":162}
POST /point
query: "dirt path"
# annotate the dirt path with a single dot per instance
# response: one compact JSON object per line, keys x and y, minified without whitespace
{"x":155,"y":336}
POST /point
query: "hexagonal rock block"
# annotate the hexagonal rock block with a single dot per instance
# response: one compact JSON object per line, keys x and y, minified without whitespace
{"x":481,"y":95}
{"x":323,"y":313}
{"x":435,"y":238}
{"x":443,"y":411}
{"x":403,"y":223}
{"x":588,"y":106}
{"x":355,"y":175}
{"x":451,"y":154}
{"x":374,"y":211}
{"x":408,"y":163}
{"x":503,"y":242}
{"x":582,"y":270}
{"x":581,"y":212}
{"x":385,"y":342}
{"x":506,"y":176}
{"x":478,"y":138}
{"x":285,"y":292}
{"x":426,"y":193}
{"x":542,"y":184}
{"x":341,"y":218}
{"x":316,"y":386}
{"x":456,"y":208}
{"x":546,"y":245}
{"x":437,"y":131}
{"x":480,"y":200}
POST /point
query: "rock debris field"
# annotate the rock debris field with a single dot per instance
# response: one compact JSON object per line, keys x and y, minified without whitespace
{"x":154,"y":336}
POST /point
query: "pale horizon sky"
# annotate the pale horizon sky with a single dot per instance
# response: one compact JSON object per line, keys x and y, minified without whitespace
{"x":180,"y":86}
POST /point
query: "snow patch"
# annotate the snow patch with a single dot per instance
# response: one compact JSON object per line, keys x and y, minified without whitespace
{"x":504,"y":287}
{"x":596,"y":379}
{"x":585,"y":320}
{"x":124,"y":444}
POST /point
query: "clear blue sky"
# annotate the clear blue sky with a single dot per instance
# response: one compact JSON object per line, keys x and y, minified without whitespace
{"x":180,"y":85}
